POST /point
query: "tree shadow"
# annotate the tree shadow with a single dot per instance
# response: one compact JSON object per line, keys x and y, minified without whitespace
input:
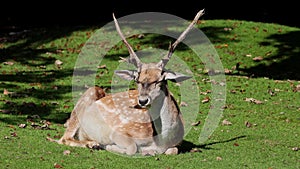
{"x":284,"y":63}
{"x":28,"y":50}
{"x":280,"y":65}
{"x":31,"y":40}
{"x":160,"y":41}
{"x":23,"y":101}
{"x":187,"y":146}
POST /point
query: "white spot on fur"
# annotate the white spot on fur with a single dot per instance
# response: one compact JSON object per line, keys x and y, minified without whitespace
{"x":123,"y":119}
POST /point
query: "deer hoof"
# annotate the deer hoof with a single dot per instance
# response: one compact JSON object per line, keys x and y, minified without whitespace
{"x":93,"y":145}
{"x":172,"y":151}
{"x":97,"y":147}
{"x":148,"y":153}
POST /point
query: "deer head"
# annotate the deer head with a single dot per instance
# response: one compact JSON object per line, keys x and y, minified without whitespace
{"x":151,"y":78}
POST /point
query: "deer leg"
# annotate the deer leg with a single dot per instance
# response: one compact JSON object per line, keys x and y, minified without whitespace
{"x":151,"y":150}
{"x":73,"y":125}
{"x":69,"y":136}
{"x":123,"y":144}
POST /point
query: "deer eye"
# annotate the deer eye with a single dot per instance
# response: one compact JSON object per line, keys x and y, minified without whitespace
{"x":144,"y":85}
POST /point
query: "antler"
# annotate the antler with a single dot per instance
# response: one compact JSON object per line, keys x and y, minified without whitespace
{"x":133,"y":57}
{"x":172,"y":47}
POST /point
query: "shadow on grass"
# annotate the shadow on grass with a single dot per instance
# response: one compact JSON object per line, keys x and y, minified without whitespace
{"x":29,"y":43}
{"x":37,"y":79}
{"x":162,"y":42}
{"x":280,"y":64}
{"x":283,"y":64}
{"x":187,"y":146}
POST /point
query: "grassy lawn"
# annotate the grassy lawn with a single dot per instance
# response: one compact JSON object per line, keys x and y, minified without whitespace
{"x":260,"y":126}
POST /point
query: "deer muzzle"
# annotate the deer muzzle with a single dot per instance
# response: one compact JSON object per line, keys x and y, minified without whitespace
{"x":143,"y":101}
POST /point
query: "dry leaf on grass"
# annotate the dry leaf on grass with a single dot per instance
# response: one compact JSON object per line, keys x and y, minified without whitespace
{"x":56,"y":165}
{"x":8,"y":63}
{"x":252,"y":100}
{"x":101,"y":67}
{"x":22,"y":125}
{"x":226,"y":122}
{"x":183,"y":104}
{"x":219,"y":158}
{"x":67,"y":152}
{"x":205,"y":100}
{"x":195,"y":150}
{"x":258,"y":58}
{"x":6,"y":92}
{"x":58,"y":63}
{"x":296,"y":88}
{"x":196,"y":123}
{"x":248,"y":124}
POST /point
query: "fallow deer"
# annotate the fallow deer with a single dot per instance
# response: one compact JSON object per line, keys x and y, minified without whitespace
{"x":146,"y":120}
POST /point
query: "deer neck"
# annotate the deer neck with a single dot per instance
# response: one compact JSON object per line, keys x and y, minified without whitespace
{"x":163,"y":111}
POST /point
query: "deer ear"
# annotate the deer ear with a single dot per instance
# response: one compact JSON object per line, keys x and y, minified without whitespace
{"x":175,"y":77}
{"x":127,"y":74}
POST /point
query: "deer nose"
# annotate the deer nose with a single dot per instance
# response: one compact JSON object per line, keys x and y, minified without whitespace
{"x":144,"y":101}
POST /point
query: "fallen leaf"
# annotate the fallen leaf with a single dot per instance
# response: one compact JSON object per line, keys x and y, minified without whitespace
{"x":57,"y":165}
{"x":42,"y":67}
{"x":58,"y":63}
{"x":271,"y":92}
{"x":258,"y":58}
{"x":67,"y":152}
{"x":101,"y":67}
{"x":6,"y":92}
{"x":227,"y":29}
{"x":248,"y":124}
{"x":252,"y":100}
{"x":226,"y":122}
{"x":195,"y":150}
{"x":227,"y":71}
{"x":13,"y":134}
{"x":196,"y":123}
{"x":277,"y":90}
{"x":297,"y":88}
{"x":206,"y":92}
{"x":183,"y":104}
{"x":22,"y":125}
{"x":205,"y":100}
{"x":8,"y":63}
{"x":66,"y":106}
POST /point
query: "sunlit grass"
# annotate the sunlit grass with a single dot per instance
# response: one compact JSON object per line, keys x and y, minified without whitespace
{"x":260,"y":62}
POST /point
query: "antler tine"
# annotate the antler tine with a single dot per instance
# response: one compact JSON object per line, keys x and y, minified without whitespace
{"x":133,"y":57}
{"x":172,"y":47}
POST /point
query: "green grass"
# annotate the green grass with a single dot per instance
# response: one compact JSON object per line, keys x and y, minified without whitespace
{"x":38,"y":87}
